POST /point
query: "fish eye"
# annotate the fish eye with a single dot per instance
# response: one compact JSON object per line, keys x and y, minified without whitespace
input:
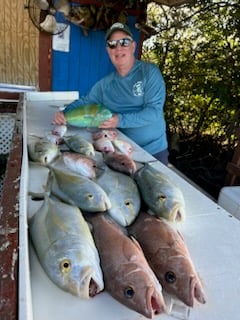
{"x":123,"y":163}
{"x":90,"y":196}
{"x":65,"y":265}
{"x":128,"y":203}
{"x":170,"y":277}
{"x":129,"y":293}
{"x":162,"y":197}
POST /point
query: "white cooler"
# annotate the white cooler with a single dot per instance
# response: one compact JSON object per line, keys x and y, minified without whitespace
{"x":229,"y":199}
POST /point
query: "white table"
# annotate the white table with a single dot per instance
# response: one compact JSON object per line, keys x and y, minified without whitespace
{"x":211,"y":234}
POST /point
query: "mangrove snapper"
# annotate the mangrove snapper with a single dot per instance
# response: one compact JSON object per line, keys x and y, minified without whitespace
{"x":127,"y":275}
{"x":80,"y":164}
{"x":120,"y":162}
{"x":168,"y":256}
{"x":105,"y":133}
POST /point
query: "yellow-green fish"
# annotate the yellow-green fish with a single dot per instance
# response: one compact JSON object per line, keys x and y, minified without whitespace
{"x":90,"y":115}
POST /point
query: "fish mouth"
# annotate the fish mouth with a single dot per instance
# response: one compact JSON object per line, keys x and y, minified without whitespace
{"x":195,"y":291}
{"x":88,"y":286}
{"x":155,"y":303}
{"x":177,"y":214}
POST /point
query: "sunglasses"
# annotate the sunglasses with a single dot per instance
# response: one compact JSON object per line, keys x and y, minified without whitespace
{"x":125,"y":42}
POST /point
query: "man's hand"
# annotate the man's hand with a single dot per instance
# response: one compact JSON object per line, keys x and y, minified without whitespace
{"x":59,"y":118}
{"x":110,"y":123}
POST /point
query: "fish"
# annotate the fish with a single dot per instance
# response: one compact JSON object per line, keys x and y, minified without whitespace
{"x":79,"y":144}
{"x":90,"y":115}
{"x":120,"y":162}
{"x":59,"y":130}
{"x":104,"y":145}
{"x":169,"y":257}
{"x":123,"y":194}
{"x":54,"y":138}
{"x":42,"y":150}
{"x":126,"y":273}
{"x":123,"y":146}
{"x":66,"y":249}
{"x":79,"y":190}
{"x":105,"y":133}
{"x":163,"y":197}
{"x":80,"y":164}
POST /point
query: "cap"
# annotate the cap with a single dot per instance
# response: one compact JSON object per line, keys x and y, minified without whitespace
{"x":118,"y":26}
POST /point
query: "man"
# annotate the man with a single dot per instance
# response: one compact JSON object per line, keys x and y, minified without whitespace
{"x":135,"y":93}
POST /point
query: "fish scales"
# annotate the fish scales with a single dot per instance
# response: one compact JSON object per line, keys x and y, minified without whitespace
{"x":91,"y":115}
{"x":160,"y":194}
{"x":65,"y":248}
{"x":168,"y":256}
{"x":127,"y":275}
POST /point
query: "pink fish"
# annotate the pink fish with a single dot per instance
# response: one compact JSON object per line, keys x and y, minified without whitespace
{"x":59,"y":130}
{"x":104,"y":145}
{"x":54,"y":138}
{"x":120,"y":162}
{"x":168,"y":256}
{"x":80,"y":164}
{"x":127,"y":275}
{"x":106,"y":133}
{"x":123,"y":146}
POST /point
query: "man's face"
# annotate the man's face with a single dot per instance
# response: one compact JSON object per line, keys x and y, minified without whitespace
{"x":121,"y":55}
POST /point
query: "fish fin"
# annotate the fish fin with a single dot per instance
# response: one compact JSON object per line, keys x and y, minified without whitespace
{"x":136,"y":243}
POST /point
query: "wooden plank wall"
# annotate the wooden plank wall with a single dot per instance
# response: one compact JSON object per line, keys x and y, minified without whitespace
{"x":19,"y":45}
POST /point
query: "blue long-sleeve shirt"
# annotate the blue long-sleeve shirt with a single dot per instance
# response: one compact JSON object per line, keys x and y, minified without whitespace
{"x":138,"y":99}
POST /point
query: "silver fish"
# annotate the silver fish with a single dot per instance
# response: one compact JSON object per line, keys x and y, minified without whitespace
{"x":80,"y":164}
{"x":80,"y":145}
{"x":127,"y":275}
{"x":123,"y":194}
{"x":42,"y":150}
{"x":160,"y":194}
{"x":80,"y":191}
{"x":65,"y":248}
{"x":168,"y":256}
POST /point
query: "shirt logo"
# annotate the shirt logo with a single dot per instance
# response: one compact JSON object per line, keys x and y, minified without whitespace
{"x":138,"y":89}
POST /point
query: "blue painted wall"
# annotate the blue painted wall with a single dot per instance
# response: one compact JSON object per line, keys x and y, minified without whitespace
{"x":86,"y":62}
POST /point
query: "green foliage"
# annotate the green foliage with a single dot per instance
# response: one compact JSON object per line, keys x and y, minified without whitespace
{"x":197,"y":48}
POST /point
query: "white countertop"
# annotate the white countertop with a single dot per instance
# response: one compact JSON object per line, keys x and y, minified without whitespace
{"x":212,"y":236}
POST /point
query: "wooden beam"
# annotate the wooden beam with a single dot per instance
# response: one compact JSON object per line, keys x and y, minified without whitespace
{"x":9,"y":224}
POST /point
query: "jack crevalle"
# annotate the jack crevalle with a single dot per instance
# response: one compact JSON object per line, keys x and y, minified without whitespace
{"x":168,"y":256}
{"x":123,"y":194}
{"x":80,"y":145}
{"x":160,"y":194}
{"x":90,"y":115}
{"x":127,"y":275}
{"x":65,"y":248}
{"x":79,"y":190}
{"x":42,"y":150}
